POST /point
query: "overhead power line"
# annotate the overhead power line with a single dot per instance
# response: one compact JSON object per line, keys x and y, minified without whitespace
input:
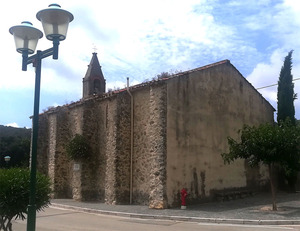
{"x":272,"y":85}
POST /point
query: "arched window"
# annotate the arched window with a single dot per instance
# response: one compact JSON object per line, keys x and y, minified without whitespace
{"x":97,"y":86}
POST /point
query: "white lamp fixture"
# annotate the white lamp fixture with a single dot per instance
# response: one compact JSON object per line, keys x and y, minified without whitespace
{"x":26,"y":37}
{"x":55,"y":22}
{"x":7,"y":159}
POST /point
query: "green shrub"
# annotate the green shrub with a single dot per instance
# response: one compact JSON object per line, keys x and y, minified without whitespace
{"x":14,"y":194}
{"x":78,"y":148}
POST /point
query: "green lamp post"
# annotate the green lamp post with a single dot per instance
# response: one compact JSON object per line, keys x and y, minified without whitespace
{"x":55,"y":22}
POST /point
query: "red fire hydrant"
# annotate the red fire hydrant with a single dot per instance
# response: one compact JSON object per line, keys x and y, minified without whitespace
{"x":183,"y":197}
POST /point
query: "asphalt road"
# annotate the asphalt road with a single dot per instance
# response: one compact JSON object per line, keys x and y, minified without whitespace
{"x":62,"y":220}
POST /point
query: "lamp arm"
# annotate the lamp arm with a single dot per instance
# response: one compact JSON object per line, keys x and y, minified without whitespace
{"x":47,"y":53}
{"x":43,"y":54}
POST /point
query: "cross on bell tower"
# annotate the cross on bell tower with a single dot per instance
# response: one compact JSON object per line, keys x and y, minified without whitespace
{"x":93,"y":82}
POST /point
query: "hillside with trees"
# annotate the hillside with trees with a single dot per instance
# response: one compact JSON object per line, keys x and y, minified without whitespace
{"x":12,"y":131}
{"x":14,"y":142}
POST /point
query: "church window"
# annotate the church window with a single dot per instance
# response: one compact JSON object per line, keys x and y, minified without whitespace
{"x":96,"y":86}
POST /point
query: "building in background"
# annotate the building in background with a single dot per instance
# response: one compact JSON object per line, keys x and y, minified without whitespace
{"x":153,"y":139}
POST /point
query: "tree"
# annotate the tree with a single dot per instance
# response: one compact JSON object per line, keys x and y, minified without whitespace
{"x":14,"y":142}
{"x":14,"y":195}
{"x":285,"y":92}
{"x":270,"y":145}
{"x":16,"y":132}
{"x":17,"y":148}
{"x":78,"y":148}
{"x":285,"y":106}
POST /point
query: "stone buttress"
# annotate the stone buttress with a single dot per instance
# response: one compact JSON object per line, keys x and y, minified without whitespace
{"x":158,"y":146}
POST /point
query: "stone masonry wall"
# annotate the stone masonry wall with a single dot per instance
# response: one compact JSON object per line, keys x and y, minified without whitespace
{"x":53,"y":132}
{"x":180,"y":129}
{"x":111,"y":152}
{"x":123,"y":148}
{"x":106,"y":125}
{"x":118,"y":150}
{"x":141,"y":158}
{"x":62,"y":187}
{"x":75,"y":124}
{"x":158,"y":146}
{"x":52,"y":147}
{"x":88,"y":176}
{"x":100,"y":149}
{"x":90,"y":166}
{"x":43,"y":145}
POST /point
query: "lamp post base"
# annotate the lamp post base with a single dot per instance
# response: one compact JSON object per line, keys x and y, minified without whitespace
{"x":31,"y":217}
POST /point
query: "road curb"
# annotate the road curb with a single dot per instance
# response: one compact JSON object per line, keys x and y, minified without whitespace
{"x":178,"y":218}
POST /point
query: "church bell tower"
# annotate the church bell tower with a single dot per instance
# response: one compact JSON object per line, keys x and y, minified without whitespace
{"x":93,"y":82}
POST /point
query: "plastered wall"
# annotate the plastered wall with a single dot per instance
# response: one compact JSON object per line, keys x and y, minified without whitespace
{"x":204,"y":108}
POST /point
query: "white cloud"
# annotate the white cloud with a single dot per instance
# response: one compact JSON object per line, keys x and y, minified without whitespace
{"x":140,"y":39}
{"x":15,"y":125}
{"x":267,"y":73}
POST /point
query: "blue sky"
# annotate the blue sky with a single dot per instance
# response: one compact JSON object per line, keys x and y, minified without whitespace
{"x":140,"y":39}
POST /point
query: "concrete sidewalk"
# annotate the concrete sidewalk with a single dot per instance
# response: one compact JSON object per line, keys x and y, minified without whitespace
{"x":252,"y":210}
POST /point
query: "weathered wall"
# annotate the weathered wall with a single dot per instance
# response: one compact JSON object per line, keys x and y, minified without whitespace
{"x":101,"y":116}
{"x":89,"y":167}
{"x":88,"y":179}
{"x":58,"y":170}
{"x":43,"y":145}
{"x":123,"y":148}
{"x":75,"y":124}
{"x":118,"y":150}
{"x":204,"y":108}
{"x":141,"y":164}
{"x":181,"y":127}
{"x":61,"y":126}
{"x":149,"y":155}
{"x":111,"y":148}
{"x":52,"y":148}
{"x":158,"y":146}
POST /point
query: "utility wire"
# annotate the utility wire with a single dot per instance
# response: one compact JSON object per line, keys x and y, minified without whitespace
{"x":272,"y":85}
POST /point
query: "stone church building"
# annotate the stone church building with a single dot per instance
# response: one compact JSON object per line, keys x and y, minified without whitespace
{"x":151,"y":140}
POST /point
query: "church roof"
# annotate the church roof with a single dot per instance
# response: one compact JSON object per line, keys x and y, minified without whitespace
{"x":223,"y":62}
{"x":226,"y":61}
{"x":94,"y":68}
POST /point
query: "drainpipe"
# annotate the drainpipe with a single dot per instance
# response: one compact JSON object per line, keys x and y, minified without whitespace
{"x":131,"y":141}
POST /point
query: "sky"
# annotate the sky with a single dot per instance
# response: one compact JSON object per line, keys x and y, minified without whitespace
{"x":140,"y":39}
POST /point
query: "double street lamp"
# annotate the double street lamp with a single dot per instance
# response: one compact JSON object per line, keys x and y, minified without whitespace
{"x":55,"y":22}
